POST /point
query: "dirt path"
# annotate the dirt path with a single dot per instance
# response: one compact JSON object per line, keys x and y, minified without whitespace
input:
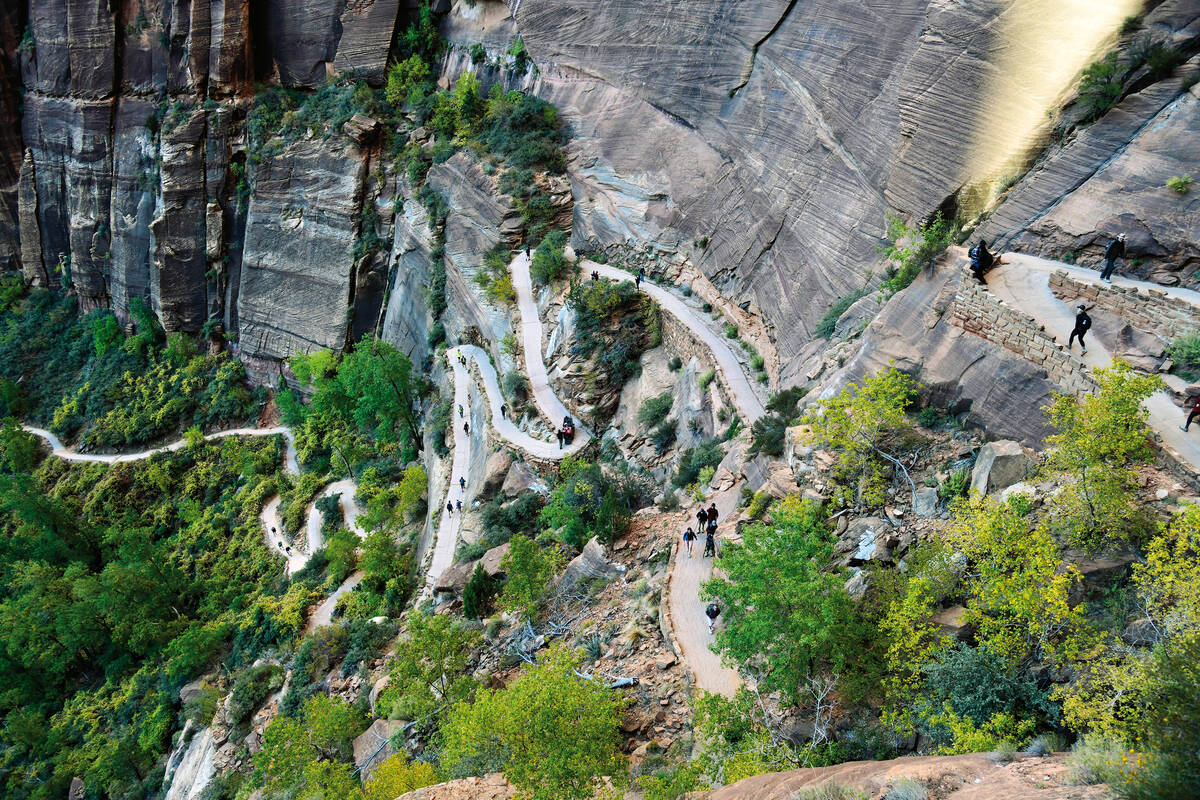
{"x":1022,"y":282}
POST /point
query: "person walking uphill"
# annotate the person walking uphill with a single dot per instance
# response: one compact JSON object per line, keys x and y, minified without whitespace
{"x":1083,"y":323}
{"x":1114,"y":250}
{"x":1184,"y":427}
{"x":689,"y":538}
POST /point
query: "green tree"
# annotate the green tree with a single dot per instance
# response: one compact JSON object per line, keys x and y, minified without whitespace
{"x":430,"y":668}
{"x":479,"y":593}
{"x":18,"y":449}
{"x":1100,"y":441}
{"x":529,"y":570}
{"x":787,"y":615}
{"x":552,"y":732}
{"x":306,"y":754}
{"x":855,"y":424}
{"x":407,"y":81}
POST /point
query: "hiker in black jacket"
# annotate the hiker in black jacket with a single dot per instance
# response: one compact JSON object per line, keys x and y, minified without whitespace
{"x":1114,"y":250}
{"x":1083,"y":324}
{"x":981,"y":260}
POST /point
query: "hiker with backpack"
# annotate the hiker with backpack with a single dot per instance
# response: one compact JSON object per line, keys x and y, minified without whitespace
{"x":712,"y":612}
{"x":1083,"y":323}
{"x":689,"y":536}
{"x":1191,"y":416}
{"x":1113,"y":251}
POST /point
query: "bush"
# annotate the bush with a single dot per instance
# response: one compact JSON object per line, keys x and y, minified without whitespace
{"x":516,"y":387}
{"x":707,"y":454}
{"x":655,"y":409}
{"x":663,"y":436}
{"x":615,"y":322}
{"x":1101,"y":87}
{"x":1180,"y":184}
{"x":479,"y":593}
{"x":1095,"y":759}
{"x":252,"y":687}
{"x":955,"y":485}
{"x":925,"y":243}
{"x":906,"y":789}
{"x":529,"y":569}
{"x":768,"y":435}
{"x":828,"y":791}
{"x":731,"y":330}
{"x":587,"y":502}
{"x":706,"y":378}
{"x":827,"y":323}
{"x":549,"y":263}
{"x":675,"y":364}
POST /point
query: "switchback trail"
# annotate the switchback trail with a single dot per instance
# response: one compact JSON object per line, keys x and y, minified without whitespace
{"x":1023,"y":282}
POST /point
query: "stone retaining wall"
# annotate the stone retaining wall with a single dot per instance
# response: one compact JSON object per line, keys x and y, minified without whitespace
{"x":979,"y":312}
{"x":1149,"y":310}
{"x":678,"y":339}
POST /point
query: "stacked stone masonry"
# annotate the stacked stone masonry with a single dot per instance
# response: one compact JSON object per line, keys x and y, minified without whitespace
{"x":980,"y":313}
{"x":1149,"y":310}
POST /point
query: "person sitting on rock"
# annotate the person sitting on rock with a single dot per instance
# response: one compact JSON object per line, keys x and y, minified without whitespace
{"x":1195,"y":410}
{"x":1083,"y":323}
{"x":981,"y":260}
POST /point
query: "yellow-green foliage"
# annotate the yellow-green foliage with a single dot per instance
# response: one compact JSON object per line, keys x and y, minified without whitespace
{"x":530,"y":569}
{"x":1168,"y":580}
{"x":968,"y":737}
{"x":1100,"y":440}
{"x":397,"y":775}
{"x":1019,"y":587}
{"x":853,"y":423}
{"x":552,"y":732}
{"x":430,"y":668}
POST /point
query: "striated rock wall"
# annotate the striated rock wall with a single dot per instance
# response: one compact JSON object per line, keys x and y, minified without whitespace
{"x":1147,"y":311}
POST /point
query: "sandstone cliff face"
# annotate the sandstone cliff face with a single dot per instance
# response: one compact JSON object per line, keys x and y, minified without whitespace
{"x":753,"y":147}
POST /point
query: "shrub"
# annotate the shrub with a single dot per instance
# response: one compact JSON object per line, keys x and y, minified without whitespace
{"x":828,"y":791}
{"x":1185,"y":353}
{"x":675,"y":364}
{"x":516,"y":387}
{"x":768,"y":435}
{"x":478,"y":53}
{"x":479,"y":593}
{"x":924,"y":244}
{"x":1161,"y":60}
{"x":827,"y":323}
{"x":1095,"y":759}
{"x":1101,"y":87}
{"x":707,"y":454}
{"x":663,"y":436}
{"x":731,"y":330}
{"x":529,"y":569}
{"x":612,"y":322}
{"x":955,"y":485}
{"x":252,"y":687}
{"x":906,"y":789}
{"x":1180,"y":184}
{"x":1046,"y":744}
{"x":655,"y":409}
{"x":549,"y":263}
{"x":758,"y":504}
{"x":587,"y":502}
{"x":706,"y":378}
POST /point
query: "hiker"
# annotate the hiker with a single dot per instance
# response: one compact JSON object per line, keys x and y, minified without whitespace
{"x":527,"y":251}
{"x":1195,"y":410}
{"x":1114,"y":250}
{"x":449,"y":508}
{"x":1083,"y":323}
{"x":460,"y":410}
{"x":458,"y":505}
{"x":712,"y":612}
{"x":981,"y":260}
{"x":712,"y":514}
{"x":637,"y":282}
{"x":710,"y":543}
{"x":466,"y":428}
{"x":689,"y":536}
{"x":503,"y":411}
{"x":595,"y":275}
{"x":560,"y":438}
{"x":701,"y":518}
{"x":462,"y":484}
{"x":288,"y":550}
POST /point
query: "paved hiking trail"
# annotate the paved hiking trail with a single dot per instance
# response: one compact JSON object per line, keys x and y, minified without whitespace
{"x":691,"y":630}
{"x":688,"y":622}
{"x":745,"y":399}
{"x":1023,"y":282}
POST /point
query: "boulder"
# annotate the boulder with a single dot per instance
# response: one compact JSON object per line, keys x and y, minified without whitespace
{"x":492,"y":558}
{"x":999,"y":464}
{"x":494,"y":473}
{"x":454,"y":577}
{"x":361,"y":128}
{"x":867,"y":538}
{"x":591,"y":563}
{"x":950,"y":620}
{"x":856,"y":585}
{"x":520,"y":479}
{"x":373,"y":745}
{"x":925,"y":502}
